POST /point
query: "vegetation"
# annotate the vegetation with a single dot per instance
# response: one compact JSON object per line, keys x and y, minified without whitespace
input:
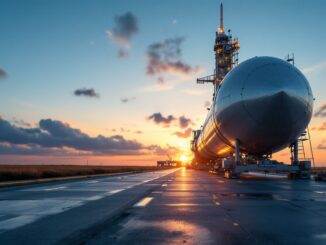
{"x":28,"y":172}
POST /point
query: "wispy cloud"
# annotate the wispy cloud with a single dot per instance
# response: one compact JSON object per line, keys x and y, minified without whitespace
{"x":164,"y":61}
{"x":322,"y":145}
{"x":3,"y":73}
{"x":321,"y":112}
{"x":183,"y":134}
{"x":184,"y":122}
{"x":166,"y":121}
{"x":126,"y":26}
{"x":315,"y":68}
{"x":158,"y":118}
{"x":165,"y":58}
{"x":87,"y":92}
{"x":127,"y":99}
{"x":320,"y":128}
{"x":207,"y":104}
{"x":21,"y":123}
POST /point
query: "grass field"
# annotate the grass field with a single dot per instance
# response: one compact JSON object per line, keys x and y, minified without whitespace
{"x":28,"y":172}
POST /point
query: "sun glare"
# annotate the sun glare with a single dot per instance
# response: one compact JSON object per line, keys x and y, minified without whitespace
{"x":183,"y":158}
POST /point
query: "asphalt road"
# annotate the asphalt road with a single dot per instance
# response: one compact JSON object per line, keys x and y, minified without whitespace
{"x":165,"y":207}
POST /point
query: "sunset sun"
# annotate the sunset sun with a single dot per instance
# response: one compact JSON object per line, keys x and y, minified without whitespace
{"x":183,"y":158}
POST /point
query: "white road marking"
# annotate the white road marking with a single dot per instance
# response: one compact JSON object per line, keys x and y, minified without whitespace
{"x":55,"y":188}
{"x":92,"y":182}
{"x":165,"y":185}
{"x":115,"y":191}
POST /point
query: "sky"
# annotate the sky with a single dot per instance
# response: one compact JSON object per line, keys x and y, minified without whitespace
{"x":113,"y":82}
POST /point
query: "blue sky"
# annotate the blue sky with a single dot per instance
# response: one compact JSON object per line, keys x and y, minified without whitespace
{"x":51,"y":48}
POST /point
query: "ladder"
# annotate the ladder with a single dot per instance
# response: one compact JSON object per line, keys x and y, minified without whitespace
{"x":305,"y":136}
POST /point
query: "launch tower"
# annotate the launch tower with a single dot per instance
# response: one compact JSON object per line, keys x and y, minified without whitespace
{"x":226,"y":55}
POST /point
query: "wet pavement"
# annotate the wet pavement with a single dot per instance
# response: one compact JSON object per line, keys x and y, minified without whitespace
{"x":48,"y":213}
{"x":181,"y":207}
{"x":194,"y":207}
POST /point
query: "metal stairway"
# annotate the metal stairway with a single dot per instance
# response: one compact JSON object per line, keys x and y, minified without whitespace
{"x":302,"y":154}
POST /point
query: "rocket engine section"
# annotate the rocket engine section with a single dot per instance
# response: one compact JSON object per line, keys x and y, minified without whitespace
{"x":264,"y":104}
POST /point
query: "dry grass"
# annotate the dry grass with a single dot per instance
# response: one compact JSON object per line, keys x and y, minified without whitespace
{"x":27,"y":172}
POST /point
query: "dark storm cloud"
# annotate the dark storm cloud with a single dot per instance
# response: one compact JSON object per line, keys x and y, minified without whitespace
{"x":321,"y":112}
{"x":87,"y":92}
{"x":127,"y":99}
{"x":158,"y":118}
{"x":165,"y":57}
{"x":10,"y":149}
{"x":184,"y":122}
{"x":183,"y":134}
{"x":19,"y":122}
{"x":56,"y":134}
{"x":125,"y":27}
{"x":3,"y":73}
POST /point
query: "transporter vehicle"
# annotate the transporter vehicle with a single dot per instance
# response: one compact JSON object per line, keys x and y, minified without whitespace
{"x":259,"y":107}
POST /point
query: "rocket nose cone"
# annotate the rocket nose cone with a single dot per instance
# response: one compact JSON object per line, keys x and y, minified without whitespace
{"x":278,"y":98}
{"x":277,"y":110}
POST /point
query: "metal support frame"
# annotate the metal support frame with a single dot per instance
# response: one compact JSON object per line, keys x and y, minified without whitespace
{"x":295,"y":153}
{"x":237,"y":151}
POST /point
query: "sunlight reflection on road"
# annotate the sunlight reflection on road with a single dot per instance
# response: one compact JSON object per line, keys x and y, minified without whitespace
{"x":178,"y":231}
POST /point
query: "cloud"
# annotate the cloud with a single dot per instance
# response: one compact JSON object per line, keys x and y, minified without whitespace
{"x":207,"y":104}
{"x":320,"y":128}
{"x":124,"y":130}
{"x":138,"y":132}
{"x":315,"y":68}
{"x":165,"y":58}
{"x":164,"y":151}
{"x":126,"y":26}
{"x":322,"y":145}
{"x":184,"y":122}
{"x":3,"y":73}
{"x":19,"y":122}
{"x":58,"y":135}
{"x":166,"y":122}
{"x":127,"y":99}
{"x":159,"y":119}
{"x":87,"y":92}
{"x":321,"y":112}
{"x":11,"y":149}
{"x":183,"y":134}
{"x":174,"y":21}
